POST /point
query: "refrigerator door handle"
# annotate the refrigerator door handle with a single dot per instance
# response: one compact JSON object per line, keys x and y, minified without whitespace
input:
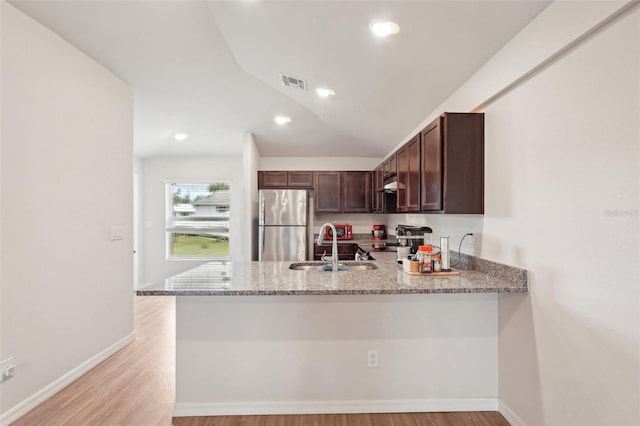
{"x":260,"y":242}
{"x":261,"y":211}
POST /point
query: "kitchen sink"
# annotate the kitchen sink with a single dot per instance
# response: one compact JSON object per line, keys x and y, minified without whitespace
{"x":342,"y":266}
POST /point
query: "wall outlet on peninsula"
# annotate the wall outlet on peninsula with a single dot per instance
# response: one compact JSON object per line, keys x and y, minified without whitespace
{"x":372,"y":358}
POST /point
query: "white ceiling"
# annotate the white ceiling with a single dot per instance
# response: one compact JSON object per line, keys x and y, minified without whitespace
{"x":211,"y":69}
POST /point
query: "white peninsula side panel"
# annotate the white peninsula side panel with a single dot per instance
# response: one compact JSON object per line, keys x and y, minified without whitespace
{"x":308,"y":354}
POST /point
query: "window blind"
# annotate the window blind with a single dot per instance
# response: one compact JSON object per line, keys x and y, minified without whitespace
{"x":199,"y":209}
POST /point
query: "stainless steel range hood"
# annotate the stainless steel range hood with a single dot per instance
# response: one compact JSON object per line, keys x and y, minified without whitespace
{"x":392,"y":186}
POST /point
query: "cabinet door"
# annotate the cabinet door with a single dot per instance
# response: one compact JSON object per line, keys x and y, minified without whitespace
{"x":356,"y":192}
{"x":345,"y":251}
{"x":377,"y":197}
{"x":389,"y":167}
{"x":413,"y":175}
{"x":403,"y":177}
{"x":431,"y":199}
{"x":463,"y":163}
{"x":408,"y":163}
{"x":300,"y":179}
{"x":327,"y":192}
{"x":272,"y":179}
{"x":393,"y":167}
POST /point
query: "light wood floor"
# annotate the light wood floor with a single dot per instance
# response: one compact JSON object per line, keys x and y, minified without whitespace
{"x":136,"y":387}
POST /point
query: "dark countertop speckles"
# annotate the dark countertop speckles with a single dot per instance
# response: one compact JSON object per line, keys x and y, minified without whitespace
{"x":221,"y":278}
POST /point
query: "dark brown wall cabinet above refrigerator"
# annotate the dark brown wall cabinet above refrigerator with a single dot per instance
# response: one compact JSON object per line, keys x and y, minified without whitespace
{"x":287,"y":179}
{"x":342,"y":192}
{"x":452,"y":161}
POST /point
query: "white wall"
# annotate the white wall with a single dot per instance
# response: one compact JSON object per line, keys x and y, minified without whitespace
{"x":250,"y":164}
{"x":361,"y":222}
{"x":297,"y":354}
{"x":551,"y":33}
{"x":67,"y":126}
{"x":159,"y":170}
{"x":138,"y":224}
{"x":562,"y":192}
{"x":575,"y":341}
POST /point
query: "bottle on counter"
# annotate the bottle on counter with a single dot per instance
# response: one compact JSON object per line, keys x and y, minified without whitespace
{"x":437,"y":262}
{"x":424,"y":254}
{"x":444,"y":250}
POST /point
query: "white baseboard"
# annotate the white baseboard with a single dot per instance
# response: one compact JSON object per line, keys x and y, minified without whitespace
{"x":43,"y":394}
{"x":509,"y":414}
{"x":332,"y":407}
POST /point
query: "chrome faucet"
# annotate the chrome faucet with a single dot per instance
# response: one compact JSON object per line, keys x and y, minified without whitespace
{"x":334,"y":247}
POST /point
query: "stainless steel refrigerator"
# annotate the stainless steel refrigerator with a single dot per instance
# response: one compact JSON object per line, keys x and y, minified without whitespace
{"x":282,"y":225}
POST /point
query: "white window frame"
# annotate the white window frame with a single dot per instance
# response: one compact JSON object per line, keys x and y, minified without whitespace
{"x":169,"y":230}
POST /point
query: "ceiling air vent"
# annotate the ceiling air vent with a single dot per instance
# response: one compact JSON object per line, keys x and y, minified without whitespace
{"x":293,"y":82}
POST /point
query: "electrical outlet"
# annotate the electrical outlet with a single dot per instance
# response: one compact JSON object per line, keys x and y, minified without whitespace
{"x":7,"y":369}
{"x":372,"y":358}
{"x":117,"y":233}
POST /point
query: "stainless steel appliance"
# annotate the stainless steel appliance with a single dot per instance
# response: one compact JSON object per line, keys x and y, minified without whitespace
{"x":413,"y":236}
{"x":282,"y":225}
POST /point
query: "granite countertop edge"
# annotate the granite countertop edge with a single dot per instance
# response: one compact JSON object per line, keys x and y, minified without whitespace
{"x":275,"y":279}
{"x":187,"y":292}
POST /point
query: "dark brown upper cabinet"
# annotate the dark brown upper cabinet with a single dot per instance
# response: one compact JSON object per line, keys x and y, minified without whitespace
{"x":431,"y":196}
{"x":300,"y":179}
{"x":377,"y":184}
{"x":342,"y":192}
{"x":390,"y":167}
{"x":356,"y":192}
{"x":408,"y":176}
{"x":452,"y":176}
{"x":327,"y":190}
{"x":285,"y":179}
{"x":272,"y":179}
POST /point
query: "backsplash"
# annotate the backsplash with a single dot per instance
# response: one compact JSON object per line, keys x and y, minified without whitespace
{"x":361,"y":222}
{"x":493,"y":269}
{"x":452,"y":226}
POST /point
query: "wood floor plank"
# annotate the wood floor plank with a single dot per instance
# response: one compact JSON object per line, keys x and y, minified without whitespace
{"x":136,"y":387}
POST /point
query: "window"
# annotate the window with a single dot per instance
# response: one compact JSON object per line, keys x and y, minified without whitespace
{"x":198,"y":220}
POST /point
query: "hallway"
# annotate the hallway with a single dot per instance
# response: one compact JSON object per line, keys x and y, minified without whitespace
{"x":133,"y":387}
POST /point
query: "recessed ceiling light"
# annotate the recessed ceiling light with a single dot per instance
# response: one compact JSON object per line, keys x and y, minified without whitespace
{"x":180,"y":136}
{"x":384,"y":28}
{"x":324,"y":92}
{"x":281,"y":119}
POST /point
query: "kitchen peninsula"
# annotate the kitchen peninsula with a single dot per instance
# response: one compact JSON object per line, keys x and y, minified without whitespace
{"x":223,"y":278}
{"x":336,"y":342}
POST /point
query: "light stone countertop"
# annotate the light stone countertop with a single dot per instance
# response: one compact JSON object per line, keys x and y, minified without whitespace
{"x":226,"y":278}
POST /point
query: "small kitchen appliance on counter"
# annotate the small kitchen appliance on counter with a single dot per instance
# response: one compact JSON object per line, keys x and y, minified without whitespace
{"x":343,"y":232}
{"x":379,"y":237}
{"x":379,"y":232}
{"x":410,"y":238}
